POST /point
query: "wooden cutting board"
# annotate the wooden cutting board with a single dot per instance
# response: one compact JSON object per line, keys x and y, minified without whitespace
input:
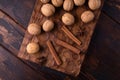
{"x":71,"y":61}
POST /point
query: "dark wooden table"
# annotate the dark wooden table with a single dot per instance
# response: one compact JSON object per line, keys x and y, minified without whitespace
{"x":102,"y":61}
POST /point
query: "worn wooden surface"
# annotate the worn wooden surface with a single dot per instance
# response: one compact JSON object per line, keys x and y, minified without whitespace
{"x":102,"y":61}
{"x":70,"y":62}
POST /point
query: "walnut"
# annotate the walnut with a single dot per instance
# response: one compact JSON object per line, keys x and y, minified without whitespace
{"x":68,"y":5}
{"x":44,"y":1}
{"x":68,"y":19}
{"x":79,"y":2}
{"x":32,"y":48}
{"x":57,"y":3}
{"x":47,"y":10}
{"x":48,"y":25}
{"x":94,"y":4}
{"x":87,"y":16}
{"x":34,"y":29}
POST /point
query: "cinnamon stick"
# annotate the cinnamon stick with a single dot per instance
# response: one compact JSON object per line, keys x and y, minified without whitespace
{"x":68,"y":46}
{"x":70,"y":35}
{"x":53,"y":52}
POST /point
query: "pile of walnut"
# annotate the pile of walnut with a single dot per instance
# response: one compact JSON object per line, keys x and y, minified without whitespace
{"x":48,"y":9}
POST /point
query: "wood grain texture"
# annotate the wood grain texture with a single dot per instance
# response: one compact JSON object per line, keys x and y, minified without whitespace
{"x":112,"y":9}
{"x":91,"y":72}
{"x":72,"y":66}
{"x":11,"y":38}
{"x":11,"y":34}
{"x":103,"y":57}
{"x":19,"y":10}
{"x":102,"y":60}
{"x":12,"y":68}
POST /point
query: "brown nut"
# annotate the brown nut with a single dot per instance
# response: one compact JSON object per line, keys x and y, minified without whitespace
{"x":57,"y":3}
{"x":32,"y":48}
{"x":48,"y":10}
{"x":68,"y":19}
{"x":68,"y":5}
{"x":44,"y":1}
{"x":48,"y":25}
{"x":94,"y":4}
{"x":87,"y":16}
{"x":79,"y":2}
{"x":34,"y":29}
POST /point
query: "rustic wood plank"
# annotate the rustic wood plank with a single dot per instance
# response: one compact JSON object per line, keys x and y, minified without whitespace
{"x":112,"y":9}
{"x":17,"y":70}
{"x":51,"y":74}
{"x":10,"y":33}
{"x":12,"y":68}
{"x":19,"y":10}
{"x":102,"y":60}
{"x":38,"y":18}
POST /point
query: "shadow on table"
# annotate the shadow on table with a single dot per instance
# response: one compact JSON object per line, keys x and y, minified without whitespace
{"x":50,"y":74}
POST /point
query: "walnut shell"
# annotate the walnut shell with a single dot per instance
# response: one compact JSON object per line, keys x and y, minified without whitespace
{"x":87,"y":16}
{"x":68,"y":5}
{"x":32,"y":48}
{"x":79,"y":2}
{"x":48,"y":10}
{"x":68,"y":19}
{"x":44,"y":1}
{"x":57,"y":3}
{"x":48,"y":25}
{"x":34,"y":29}
{"x":94,"y":4}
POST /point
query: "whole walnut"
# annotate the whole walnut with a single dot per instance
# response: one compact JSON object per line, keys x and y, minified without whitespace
{"x":94,"y":4}
{"x":32,"y":48}
{"x":34,"y":29}
{"x":79,"y":2}
{"x":68,"y":19}
{"x":57,"y":3}
{"x":87,"y":16}
{"x":48,"y":10}
{"x":44,"y":1}
{"x":48,"y":25}
{"x":68,"y":5}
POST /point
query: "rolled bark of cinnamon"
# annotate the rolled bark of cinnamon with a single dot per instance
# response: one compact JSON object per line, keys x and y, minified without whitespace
{"x":53,"y":52}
